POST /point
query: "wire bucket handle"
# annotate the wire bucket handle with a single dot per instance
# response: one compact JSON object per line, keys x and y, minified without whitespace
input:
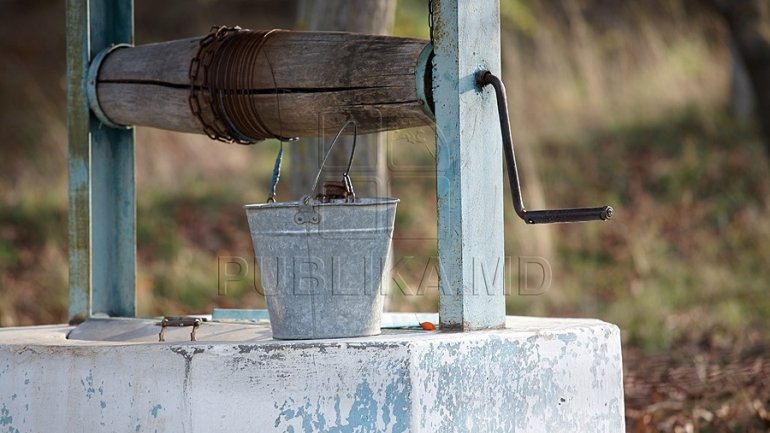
{"x":347,"y":183}
{"x":306,"y":213}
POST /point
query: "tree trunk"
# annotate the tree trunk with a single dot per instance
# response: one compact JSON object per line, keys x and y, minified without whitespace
{"x":369,"y":166}
{"x":749,"y":24}
{"x":373,"y":17}
{"x":741,"y":90}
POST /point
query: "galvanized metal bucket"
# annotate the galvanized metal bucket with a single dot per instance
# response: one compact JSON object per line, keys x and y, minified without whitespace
{"x":322,"y":262}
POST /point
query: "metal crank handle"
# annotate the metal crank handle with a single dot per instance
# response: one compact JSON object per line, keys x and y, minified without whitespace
{"x":603,"y":213}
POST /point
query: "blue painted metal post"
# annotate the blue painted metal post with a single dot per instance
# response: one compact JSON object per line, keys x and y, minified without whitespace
{"x":469,"y":165}
{"x":102,"y":248}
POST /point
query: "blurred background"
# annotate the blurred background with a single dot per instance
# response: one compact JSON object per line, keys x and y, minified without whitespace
{"x":655,"y":107}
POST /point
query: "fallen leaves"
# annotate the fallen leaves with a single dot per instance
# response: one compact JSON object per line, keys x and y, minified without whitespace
{"x":696,"y":388}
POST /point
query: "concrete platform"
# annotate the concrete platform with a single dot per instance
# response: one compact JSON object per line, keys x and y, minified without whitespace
{"x":538,"y":375}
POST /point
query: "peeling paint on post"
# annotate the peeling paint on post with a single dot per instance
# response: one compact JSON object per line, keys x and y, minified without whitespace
{"x":79,"y":161}
{"x":102,"y":236}
{"x":469,"y":165}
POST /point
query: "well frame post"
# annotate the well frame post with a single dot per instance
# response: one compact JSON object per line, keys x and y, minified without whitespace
{"x":102,"y":196}
{"x":102,"y":223}
{"x":469,"y":166}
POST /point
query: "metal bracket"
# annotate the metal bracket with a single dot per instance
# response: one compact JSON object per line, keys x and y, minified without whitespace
{"x":195,"y":322}
{"x":92,"y":77}
{"x":306,"y":213}
{"x":423,"y":79}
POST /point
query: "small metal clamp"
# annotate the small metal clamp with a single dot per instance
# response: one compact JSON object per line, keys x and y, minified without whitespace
{"x":306,"y":214}
{"x":195,"y":322}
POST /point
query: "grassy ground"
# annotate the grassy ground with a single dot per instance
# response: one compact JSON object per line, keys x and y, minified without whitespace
{"x":686,"y":251}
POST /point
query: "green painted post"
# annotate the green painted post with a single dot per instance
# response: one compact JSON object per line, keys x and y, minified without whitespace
{"x":102,"y":204}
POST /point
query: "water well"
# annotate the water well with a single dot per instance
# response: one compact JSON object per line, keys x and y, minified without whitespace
{"x":481,"y":372}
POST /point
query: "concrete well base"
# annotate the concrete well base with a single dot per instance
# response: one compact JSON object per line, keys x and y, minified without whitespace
{"x":538,"y":375}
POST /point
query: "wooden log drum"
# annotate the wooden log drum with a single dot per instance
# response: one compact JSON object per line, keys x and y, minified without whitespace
{"x":243,"y":86}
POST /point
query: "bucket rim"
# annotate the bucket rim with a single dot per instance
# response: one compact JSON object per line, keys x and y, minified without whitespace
{"x":362,"y":201}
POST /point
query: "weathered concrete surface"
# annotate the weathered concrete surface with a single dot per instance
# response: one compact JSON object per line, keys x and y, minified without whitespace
{"x":553,"y":375}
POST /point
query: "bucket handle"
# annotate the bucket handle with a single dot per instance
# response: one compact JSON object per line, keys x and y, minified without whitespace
{"x":306,"y":214}
{"x":346,"y":173}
